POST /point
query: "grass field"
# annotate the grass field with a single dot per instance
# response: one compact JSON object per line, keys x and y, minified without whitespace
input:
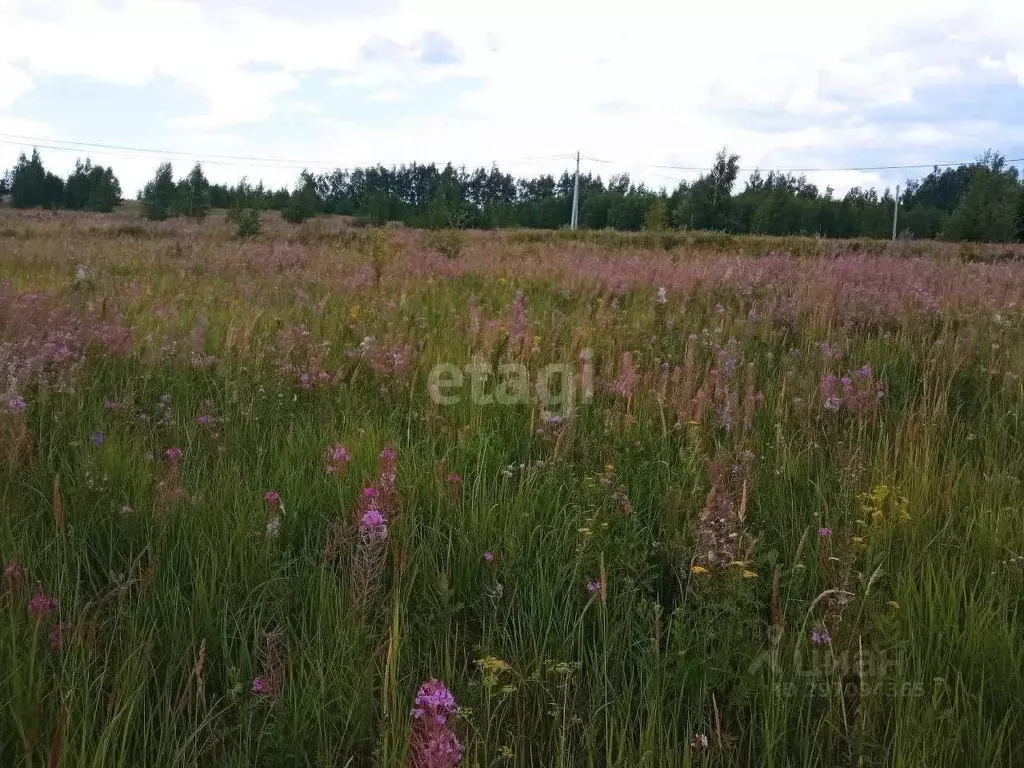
{"x":762,"y":509}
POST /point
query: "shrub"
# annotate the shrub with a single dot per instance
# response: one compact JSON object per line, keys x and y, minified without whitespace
{"x":447,"y":242}
{"x":247,"y":222}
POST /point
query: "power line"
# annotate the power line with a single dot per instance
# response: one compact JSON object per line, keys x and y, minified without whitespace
{"x":117,"y":150}
{"x":836,"y":170}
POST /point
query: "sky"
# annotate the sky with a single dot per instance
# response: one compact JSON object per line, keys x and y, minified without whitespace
{"x":342,"y":83}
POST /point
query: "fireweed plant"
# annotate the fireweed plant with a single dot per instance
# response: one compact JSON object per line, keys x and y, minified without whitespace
{"x":237,"y":529}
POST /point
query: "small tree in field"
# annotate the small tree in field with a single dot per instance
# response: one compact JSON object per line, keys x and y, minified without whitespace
{"x":304,"y":202}
{"x":194,"y":194}
{"x":158,"y":196}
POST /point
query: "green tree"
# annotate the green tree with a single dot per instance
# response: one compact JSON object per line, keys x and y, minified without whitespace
{"x":706,"y":203}
{"x":988,"y":211}
{"x":1020,"y":214}
{"x":160,"y":195}
{"x":32,"y":186}
{"x":91,"y":188}
{"x":304,"y":202}
{"x":194,"y":194}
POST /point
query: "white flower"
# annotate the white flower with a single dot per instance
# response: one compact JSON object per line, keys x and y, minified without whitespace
{"x":662,"y":296}
{"x":274,"y":527}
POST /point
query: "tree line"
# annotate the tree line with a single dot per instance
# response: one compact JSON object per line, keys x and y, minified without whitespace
{"x":979,"y":201}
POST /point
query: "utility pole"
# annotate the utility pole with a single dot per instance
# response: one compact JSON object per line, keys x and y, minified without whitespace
{"x":575,"y":220}
{"x":895,"y":211}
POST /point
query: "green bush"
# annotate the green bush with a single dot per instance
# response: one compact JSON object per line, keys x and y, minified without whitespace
{"x":247,"y":222}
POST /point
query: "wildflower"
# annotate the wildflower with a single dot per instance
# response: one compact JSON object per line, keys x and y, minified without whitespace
{"x":750,"y":574}
{"x":820,"y":637}
{"x":434,"y":699}
{"x":203,"y":420}
{"x":173,"y":454}
{"x":57,"y":636}
{"x":260,"y":686}
{"x":699,"y":741}
{"x":594,"y":587}
{"x":369,"y":492}
{"x":662,"y":296}
{"x":110,"y":405}
{"x":15,"y":404}
{"x":339,"y":454}
{"x":98,"y":438}
{"x":489,"y":557}
{"x":41,"y":605}
{"x":272,"y":499}
{"x":454,"y":478}
{"x":698,"y":570}
{"x":13,"y":570}
{"x":823,"y":532}
{"x":373,"y":525}
{"x":274,"y":527}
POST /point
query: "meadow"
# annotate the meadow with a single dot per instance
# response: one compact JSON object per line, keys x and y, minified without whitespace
{"x":766,"y":509}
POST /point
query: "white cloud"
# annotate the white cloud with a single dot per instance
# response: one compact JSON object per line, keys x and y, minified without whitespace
{"x":684,"y":78}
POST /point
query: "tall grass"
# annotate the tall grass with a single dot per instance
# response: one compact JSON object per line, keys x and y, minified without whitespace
{"x":656,"y":567}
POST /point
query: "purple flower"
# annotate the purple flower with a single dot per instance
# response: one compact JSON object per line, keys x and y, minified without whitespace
{"x":388,"y":453}
{"x":594,"y":586}
{"x":454,"y":478}
{"x":339,"y":453}
{"x":820,"y":637}
{"x":272,"y":499}
{"x":173,"y":454}
{"x":260,"y":686}
{"x":57,"y":636}
{"x":13,"y":570}
{"x":373,"y":524}
{"x":824,"y":532}
{"x":433,"y":699}
{"x":369,"y":492}
{"x":41,"y":605}
{"x":203,"y":420}
{"x":98,"y":438}
{"x":489,"y":557}
{"x":15,"y":404}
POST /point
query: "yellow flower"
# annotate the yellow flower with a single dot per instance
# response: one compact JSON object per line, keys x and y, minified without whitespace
{"x":857,"y":539}
{"x":749,"y":575}
{"x":738,"y":563}
{"x":506,"y":753}
{"x":698,"y":570}
{"x":354,"y":311}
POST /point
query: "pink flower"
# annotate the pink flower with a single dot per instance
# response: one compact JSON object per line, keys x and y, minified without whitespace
{"x":173,"y":454}
{"x":339,"y":453}
{"x":273,"y":499}
{"x":13,"y":570}
{"x":57,"y":636}
{"x":489,"y":557}
{"x":823,"y":532}
{"x":454,"y":478}
{"x":41,"y":605}
{"x":203,"y":420}
{"x":260,"y":686}
{"x":15,"y":404}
